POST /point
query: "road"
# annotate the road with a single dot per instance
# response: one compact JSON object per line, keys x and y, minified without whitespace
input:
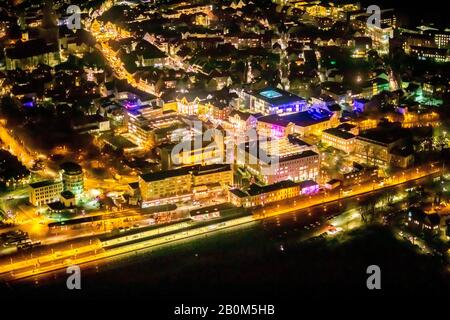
{"x":116,"y":64}
{"x":320,"y":215}
{"x":16,"y":147}
{"x":335,"y":195}
{"x":289,"y":220}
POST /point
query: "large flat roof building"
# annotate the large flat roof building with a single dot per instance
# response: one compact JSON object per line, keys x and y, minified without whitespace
{"x":273,"y":101}
{"x":280,"y":160}
{"x":310,"y":122}
{"x":175,"y":185}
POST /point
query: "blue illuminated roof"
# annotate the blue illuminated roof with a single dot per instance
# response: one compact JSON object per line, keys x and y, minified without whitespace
{"x":278,"y":97}
{"x":302,"y":119}
{"x":271,"y":94}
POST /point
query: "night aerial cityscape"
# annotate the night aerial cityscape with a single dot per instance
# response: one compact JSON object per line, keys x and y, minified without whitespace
{"x":192,"y":152}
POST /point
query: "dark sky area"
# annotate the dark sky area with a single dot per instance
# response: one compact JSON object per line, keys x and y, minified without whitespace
{"x":417,"y":11}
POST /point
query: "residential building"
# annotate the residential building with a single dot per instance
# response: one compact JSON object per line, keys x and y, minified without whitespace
{"x":418,"y":221}
{"x":373,"y":87}
{"x":243,"y":121}
{"x":357,"y":174}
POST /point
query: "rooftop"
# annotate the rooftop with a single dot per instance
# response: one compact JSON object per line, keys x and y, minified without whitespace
{"x":308,"y":184}
{"x":41,"y":184}
{"x":213,"y":168}
{"x":30,"y":48}
{"x":339,"y":133}
{"x":196,"y":170}
{"x":67,"y":194}
{"x":301,"y":119}
{"x":382,"y":136}
{"x":161,"y":175}
{"x":346,"y":126}
{"x":239,"y":193}
{"x":71,"y":167}
{"x":304,"y":154}
{"x":277,"y":96}
{"x":255,"y":189}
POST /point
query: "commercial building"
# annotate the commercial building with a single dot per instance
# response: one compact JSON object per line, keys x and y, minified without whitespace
{"x":402,"y":157}
{"x":44,"y":192}
{"x":165,"y":184}
{"x":259,"y":195}
{"x":182,"y":184}
{"x":66,"y":203}
{"x":339,"y":139}
{"x":310,"y":122}
{"x":273,"y":101}
{"x":149,"y":125}
{"x":280,"y":160}
{"x":190,"y":153}
{"x":212,"y":174}
{"x":427,"y":43}
{"x":73,"y":178}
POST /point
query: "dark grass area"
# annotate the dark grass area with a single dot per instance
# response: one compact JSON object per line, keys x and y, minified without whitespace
{"x":245,"y":266}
